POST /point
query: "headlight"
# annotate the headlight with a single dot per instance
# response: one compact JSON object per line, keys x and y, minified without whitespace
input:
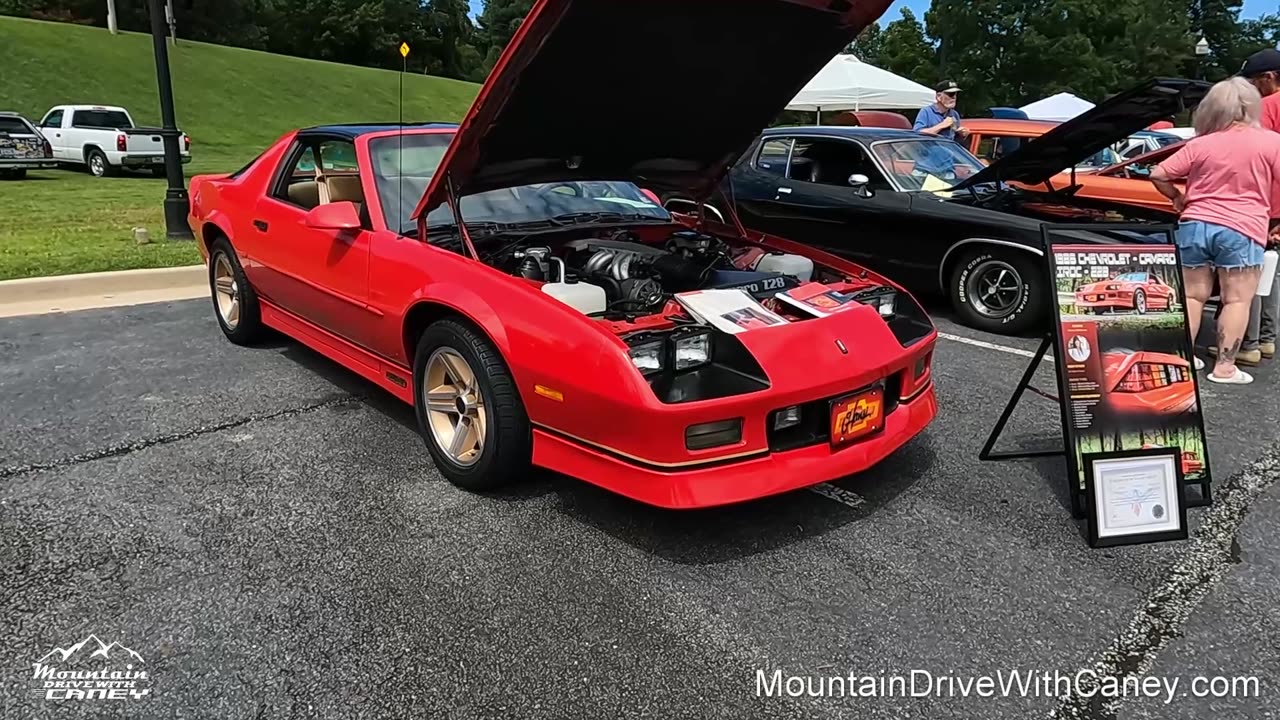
{"x":885,"y":304}
{"x":648,"y":356}
{"x":693,"y":350}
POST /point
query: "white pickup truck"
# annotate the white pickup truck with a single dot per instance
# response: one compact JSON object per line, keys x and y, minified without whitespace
{"x":105,"y":139}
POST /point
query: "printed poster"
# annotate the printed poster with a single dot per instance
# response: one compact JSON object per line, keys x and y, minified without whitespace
{"x":1126,"y":371}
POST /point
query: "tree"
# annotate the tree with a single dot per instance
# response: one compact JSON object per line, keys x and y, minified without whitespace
{"x":905,"y":51}
{"x":1006,"y":52}
{"x":866,"y":47}
{"x":450,"y":35}
{"x":497,"y":24}
{"x":1218,"y":22}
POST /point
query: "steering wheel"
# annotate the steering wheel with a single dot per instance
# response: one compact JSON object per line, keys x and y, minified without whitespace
{"x":574,"y":189}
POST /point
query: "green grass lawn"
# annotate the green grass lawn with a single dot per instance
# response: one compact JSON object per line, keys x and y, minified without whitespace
{"x":232,"y":103}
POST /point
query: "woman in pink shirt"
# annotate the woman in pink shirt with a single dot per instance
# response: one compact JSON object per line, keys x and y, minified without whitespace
{"x":1229,"y":168}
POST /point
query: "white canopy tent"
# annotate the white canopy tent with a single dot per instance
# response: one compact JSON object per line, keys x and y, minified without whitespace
{"x":847,"y":83}
{"x":1060,"y":107}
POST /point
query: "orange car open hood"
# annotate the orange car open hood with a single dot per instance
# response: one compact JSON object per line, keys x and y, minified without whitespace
{"x":1112,"y":120}
{"x":663,"y":93}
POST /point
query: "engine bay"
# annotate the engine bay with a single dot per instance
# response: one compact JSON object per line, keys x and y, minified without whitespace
{"x":629,"y":280}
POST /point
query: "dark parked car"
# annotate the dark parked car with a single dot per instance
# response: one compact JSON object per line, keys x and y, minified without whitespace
{"x":928,"y":214}
{"x":22,"y":147}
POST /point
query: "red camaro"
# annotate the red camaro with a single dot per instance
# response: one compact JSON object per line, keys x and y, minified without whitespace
{"x":1136,"y":291}
{"x":1148,"y":382}
{"x":509,"y":278}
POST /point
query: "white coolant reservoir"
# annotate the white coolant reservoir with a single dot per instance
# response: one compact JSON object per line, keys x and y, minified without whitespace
{"x":584,"y":297}
{"x":787,"y":264}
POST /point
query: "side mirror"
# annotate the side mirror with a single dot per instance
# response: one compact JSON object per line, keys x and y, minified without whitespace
{"x":859,"y":183}
{"x":334,"y":216}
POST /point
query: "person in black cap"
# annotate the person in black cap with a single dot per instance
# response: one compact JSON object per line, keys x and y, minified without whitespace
{"x":941,"y":118}
{"x":1263,"y":70}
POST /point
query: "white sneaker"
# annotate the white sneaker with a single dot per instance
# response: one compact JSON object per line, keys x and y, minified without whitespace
{"x":1199,"y":364}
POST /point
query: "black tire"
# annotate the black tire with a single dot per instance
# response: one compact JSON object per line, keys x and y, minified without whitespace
{"x":1139,"y":302}
{"x":158,"y":172}
{"x":19,"y":174}
{"x":1005,"y":314}
{"x":506,"y":452}
{"x":96,"y":160}
{"x":248,"y":327}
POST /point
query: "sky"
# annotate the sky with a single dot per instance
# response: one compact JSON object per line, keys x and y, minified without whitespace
{"x":1251,"y":9}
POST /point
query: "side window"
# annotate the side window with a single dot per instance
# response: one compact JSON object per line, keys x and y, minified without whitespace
{"x":994,"y":147}
{"x":54,"y":120}
{"x":297,"y":184}
{"x":832,"y":162}
{"x":773,"y":155}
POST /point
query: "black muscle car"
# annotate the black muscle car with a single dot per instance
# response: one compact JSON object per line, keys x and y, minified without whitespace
{"x":926,"y":213}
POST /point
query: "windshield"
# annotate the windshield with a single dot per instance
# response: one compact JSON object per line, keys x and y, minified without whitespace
{"x":926,"y":163}
{"x":100,"y":119}
{"x":413,"y":169}
{"x":1131,"y":277}
{"x":14,"y":125}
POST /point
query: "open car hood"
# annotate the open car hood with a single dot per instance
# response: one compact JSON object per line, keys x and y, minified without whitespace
{"x":1113,"y":120}
{"x":663,"y":93}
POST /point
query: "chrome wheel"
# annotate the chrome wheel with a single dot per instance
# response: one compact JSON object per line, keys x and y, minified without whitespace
{"x":1140,"y":302}
{"x":97,"y":165}
{"x":455,"y":410}
{"x":994,"y":288}
{"x":226,"y":291}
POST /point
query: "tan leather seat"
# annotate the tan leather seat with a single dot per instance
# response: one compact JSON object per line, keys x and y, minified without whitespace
{"x":345,"y":187}
{"x":306,"y":194}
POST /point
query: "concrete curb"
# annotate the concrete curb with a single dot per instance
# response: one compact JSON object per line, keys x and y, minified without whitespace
{"x":60,"y":293}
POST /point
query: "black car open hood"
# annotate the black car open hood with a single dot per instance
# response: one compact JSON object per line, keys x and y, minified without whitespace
{"x":664,"y":93}
{"x":1114,"y":119}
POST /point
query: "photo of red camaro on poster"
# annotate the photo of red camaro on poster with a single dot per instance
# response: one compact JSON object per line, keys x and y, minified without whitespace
{"x":1137,"y":292}
{"x":1147,"y":383}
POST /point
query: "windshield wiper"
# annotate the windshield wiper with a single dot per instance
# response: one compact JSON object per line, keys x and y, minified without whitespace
{"x":601,"y":216}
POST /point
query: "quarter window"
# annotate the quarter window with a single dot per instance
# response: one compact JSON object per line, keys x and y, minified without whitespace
{"x":773,"y":157}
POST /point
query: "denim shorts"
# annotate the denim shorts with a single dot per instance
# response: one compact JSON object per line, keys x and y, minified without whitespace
{"x":1202,"y":243}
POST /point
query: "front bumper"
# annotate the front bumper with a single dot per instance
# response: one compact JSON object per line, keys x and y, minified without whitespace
{"x":733,"y":480}
{"x":1106,"y":302}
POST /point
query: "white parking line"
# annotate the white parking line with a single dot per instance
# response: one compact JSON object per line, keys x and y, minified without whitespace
{"x":992,"y":346}
{"x":839,"y":494}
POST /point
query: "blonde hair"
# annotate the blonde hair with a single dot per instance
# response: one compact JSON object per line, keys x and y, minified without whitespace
{"x":1234,"y":101}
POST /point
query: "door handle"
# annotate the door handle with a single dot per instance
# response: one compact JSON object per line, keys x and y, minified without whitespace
{"x":260,"y":224}
{"x":784,"y":191}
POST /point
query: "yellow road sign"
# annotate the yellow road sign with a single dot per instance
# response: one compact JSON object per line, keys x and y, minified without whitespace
{"x":404,"y":49}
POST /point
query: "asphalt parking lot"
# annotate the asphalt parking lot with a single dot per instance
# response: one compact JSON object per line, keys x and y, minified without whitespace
{"x":268,"y":532}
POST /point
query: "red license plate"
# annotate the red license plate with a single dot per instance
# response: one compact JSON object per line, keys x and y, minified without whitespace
{"x":857,"y":415}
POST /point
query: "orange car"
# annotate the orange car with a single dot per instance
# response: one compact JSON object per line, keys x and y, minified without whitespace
{"x":1147,"y":383}
{"x":1125,"y":182}
{"x":1105,"y":176}
{"x":990,"y":139}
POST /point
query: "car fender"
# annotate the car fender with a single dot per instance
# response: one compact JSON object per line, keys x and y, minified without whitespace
{"x":951,"y":252}
{"x":218,"y":221}
{"x":539,"y":339}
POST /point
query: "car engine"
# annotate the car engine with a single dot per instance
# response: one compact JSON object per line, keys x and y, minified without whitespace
{"x":639,"y":277}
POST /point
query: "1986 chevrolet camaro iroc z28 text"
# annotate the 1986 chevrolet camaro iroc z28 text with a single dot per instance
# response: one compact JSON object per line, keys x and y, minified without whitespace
{"x":541,"y":327}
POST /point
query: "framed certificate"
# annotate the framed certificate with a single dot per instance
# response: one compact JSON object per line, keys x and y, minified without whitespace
{"x":1135,"y":496}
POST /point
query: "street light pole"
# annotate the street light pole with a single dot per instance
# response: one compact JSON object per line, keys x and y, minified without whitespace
{"x":175,"y":198}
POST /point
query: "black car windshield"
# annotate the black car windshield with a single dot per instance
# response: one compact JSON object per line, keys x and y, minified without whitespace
{"x":925,"y":163}
{"x":402,"y":178}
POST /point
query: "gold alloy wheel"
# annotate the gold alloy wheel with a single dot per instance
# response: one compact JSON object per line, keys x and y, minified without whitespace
{"x":455,"y":409}
{"x":227,"y":290}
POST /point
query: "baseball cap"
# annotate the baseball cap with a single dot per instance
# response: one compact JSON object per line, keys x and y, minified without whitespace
{"x":947,"y":86}
{"x":1262,"y":61}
